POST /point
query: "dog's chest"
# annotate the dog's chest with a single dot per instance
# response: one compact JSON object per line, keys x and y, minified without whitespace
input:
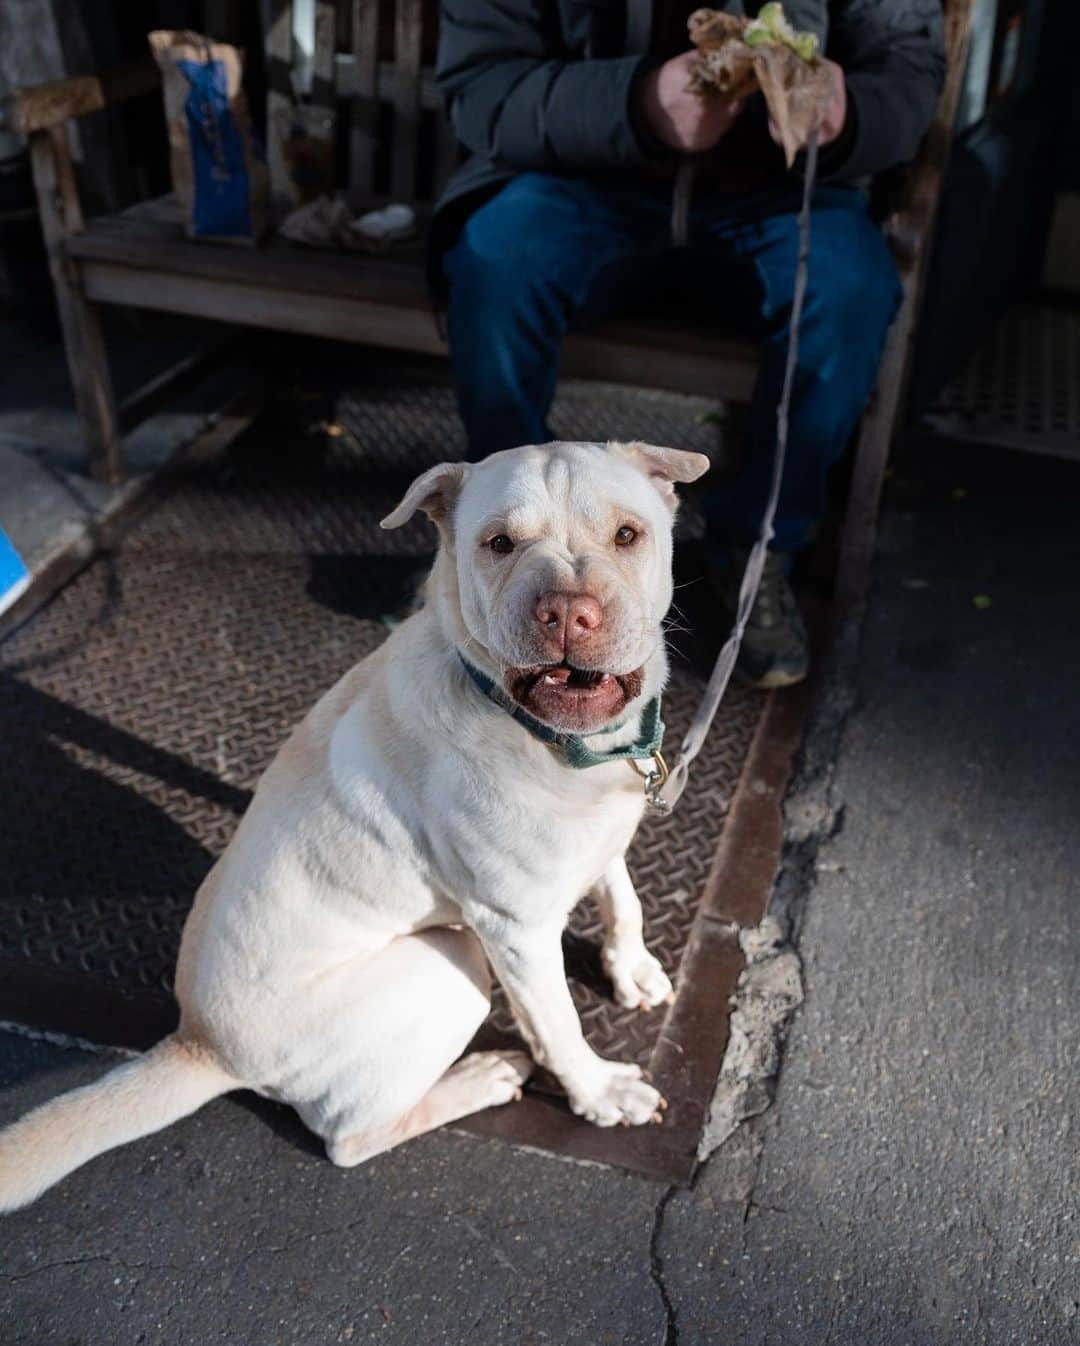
{"x":543,"y":841}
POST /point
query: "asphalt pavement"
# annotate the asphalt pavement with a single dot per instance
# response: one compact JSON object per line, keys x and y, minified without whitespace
{"x":915,"y":1182}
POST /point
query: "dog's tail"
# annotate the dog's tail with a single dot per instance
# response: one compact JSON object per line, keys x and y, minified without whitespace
{"x":168,"y":1082}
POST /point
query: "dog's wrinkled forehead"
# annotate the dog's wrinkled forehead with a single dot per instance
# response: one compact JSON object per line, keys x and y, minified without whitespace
{"x":544,"y":485}
{"x":554,"y":489}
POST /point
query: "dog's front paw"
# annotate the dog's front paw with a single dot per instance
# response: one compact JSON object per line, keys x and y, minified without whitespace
{"x":617,"y":1096}
{"x":638,"y":980}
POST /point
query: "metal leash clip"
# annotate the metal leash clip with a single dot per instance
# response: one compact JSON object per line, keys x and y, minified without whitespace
{"x":655,"y":779}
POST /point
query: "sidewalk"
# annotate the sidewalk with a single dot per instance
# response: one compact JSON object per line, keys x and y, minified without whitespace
{"x":52,"y":511}
{"x":914,"y":1184}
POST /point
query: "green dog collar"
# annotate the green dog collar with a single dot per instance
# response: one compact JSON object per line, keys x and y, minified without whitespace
{"x":574,"y":748}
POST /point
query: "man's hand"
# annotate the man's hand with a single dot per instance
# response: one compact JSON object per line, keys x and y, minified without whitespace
{"x":837,"y":113}
{"x":686,"y":121}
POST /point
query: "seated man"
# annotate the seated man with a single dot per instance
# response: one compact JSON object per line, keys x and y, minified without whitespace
{"x":577,"y":116}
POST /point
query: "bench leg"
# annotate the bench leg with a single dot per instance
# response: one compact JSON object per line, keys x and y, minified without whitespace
{"x":80,"y":321}
{"x":88,"y":364}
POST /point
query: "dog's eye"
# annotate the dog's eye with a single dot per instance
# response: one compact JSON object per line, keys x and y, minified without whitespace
{"x":626,"y":536}
{"x":501,"y":544}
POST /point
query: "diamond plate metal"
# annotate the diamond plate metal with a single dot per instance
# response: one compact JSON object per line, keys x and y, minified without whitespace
{"x":1022,"y":388}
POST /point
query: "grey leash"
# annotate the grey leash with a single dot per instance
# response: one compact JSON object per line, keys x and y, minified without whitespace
{"x":663,"y":794}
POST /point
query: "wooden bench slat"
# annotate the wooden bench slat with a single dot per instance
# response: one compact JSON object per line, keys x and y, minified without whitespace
{"x":364,"y":93}
{"x":277,"y":17}
{"x":322,"y":85}
{"x":44,"y":105}
{"x":349,"y":81}
{"x":615,"y":353}
{"x":674,"y":356}
{"x":369,"y":319}
{"x":143,"y":258}
{"x":318,"y":113}
{"x":408,"y":33}
{"x":398,"y":277}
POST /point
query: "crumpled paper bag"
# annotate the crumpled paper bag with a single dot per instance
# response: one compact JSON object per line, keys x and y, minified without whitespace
{"x":784,"y":65}
{"x":327,"y":222}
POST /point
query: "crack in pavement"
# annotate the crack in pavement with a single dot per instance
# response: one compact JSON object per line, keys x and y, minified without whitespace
{"x":63,"y":1262}
{"x":87,"y":1258}
{"x":656,"y":1270}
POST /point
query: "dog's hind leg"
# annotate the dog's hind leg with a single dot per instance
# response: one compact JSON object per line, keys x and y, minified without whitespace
{"x":480,"y":1080}
{"x":389,"y":1031}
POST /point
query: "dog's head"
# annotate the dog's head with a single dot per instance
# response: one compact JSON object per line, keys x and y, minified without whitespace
{"x":556,"y":568}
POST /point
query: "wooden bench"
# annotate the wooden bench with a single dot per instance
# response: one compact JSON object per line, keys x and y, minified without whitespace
{"x":399,"y":148}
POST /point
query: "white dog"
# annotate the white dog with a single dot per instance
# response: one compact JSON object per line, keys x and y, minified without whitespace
{"x":427,"y":819}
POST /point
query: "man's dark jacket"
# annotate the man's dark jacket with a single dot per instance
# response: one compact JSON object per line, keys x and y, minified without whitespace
{"x":549,"y":85}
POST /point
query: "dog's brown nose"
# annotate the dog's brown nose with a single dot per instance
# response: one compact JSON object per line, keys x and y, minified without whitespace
{"x":567,"y":618}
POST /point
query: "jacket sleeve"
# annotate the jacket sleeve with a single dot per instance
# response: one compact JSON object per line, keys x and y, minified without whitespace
{"x":893,"y":56}
{"x":514,"y":95}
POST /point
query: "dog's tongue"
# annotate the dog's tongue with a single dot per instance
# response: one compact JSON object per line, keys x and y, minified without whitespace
{"x":562,"y":674}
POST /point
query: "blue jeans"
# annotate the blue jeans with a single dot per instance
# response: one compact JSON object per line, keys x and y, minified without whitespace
{"x":548,"y":254}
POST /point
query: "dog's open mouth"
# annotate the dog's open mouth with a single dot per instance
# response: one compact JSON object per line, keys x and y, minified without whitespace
{"x":580,"y":699}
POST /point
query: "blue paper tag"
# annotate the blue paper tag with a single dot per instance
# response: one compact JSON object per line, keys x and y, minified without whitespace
{"x":14,"y":576}
{"x":222,"y":205}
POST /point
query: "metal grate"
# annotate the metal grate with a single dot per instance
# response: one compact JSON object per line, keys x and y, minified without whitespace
{"x":1022,"y":389}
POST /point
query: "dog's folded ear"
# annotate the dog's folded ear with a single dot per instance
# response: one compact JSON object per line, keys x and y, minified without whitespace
{"x":434,"y":491}
{"x":664,"y":467}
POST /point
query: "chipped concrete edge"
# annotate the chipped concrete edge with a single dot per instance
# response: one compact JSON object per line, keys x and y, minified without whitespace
{"x":770,"y":987}
{"x":769,"y":990}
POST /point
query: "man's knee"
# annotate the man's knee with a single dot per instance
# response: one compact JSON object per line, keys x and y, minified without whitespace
{"x":538,"y":244}
{"x":490,"y":298}
{"x":853,"y":287}
{"x":517,"y":240}
{"x":485,"y":279}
